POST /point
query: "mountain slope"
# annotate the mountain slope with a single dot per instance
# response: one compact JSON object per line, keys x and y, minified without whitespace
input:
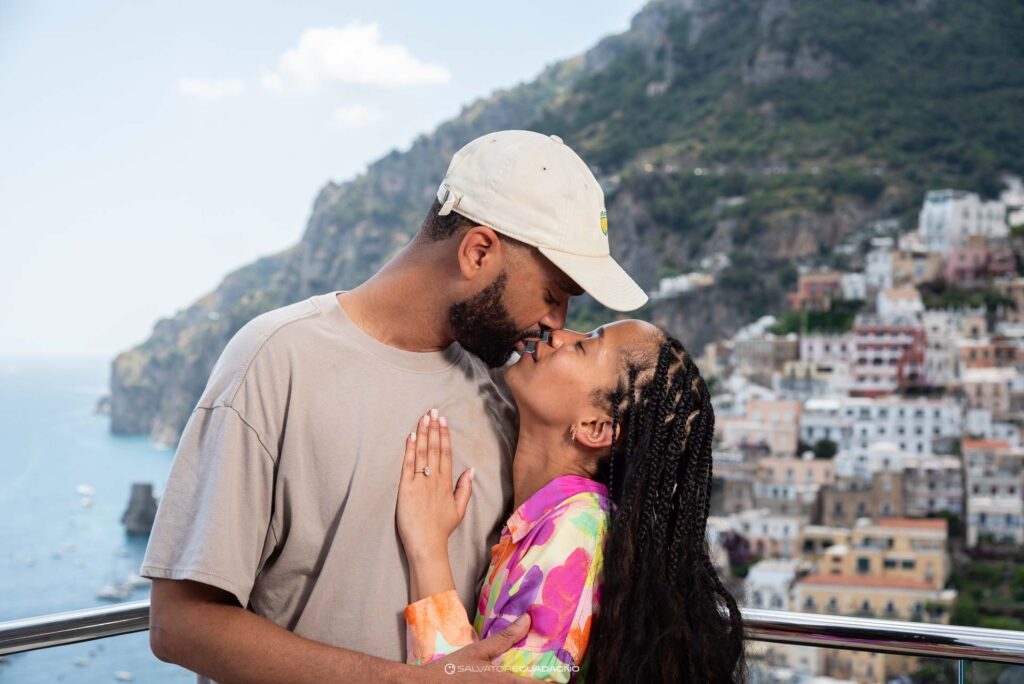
{"x":766,"y":130}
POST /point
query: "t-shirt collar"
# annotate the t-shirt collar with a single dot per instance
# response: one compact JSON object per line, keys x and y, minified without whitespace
{"x":534,"y":509}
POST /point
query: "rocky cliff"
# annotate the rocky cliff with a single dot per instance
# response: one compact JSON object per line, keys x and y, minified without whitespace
{"x":764,"y":130}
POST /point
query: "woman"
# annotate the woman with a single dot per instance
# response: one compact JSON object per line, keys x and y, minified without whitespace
{"x":606,"y":549}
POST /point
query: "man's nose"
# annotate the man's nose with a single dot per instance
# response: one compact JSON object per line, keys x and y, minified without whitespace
{"x":561,"y":337}
{"x":555,"y":318}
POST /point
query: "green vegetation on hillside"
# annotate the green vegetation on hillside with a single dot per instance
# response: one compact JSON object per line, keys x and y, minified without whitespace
{"x":941,"y":294}
{"x":838,"y":319}
{"x":990,"y":594}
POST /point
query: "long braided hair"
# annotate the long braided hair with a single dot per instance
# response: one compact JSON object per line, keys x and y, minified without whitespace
{"x":664,"y":614}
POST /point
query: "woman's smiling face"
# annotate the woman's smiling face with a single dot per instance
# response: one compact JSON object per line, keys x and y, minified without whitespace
{"x":557,"y":384}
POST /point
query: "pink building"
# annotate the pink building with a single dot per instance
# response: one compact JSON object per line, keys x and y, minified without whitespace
{"x":771,"y":424}
{"x":792,"y":471}
{"x":815,"y":291}
{"x":989,"y":388}
{"x":979,"y":259}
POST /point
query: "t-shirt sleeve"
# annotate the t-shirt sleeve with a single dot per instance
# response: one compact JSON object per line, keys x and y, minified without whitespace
{"x":213,"y":521}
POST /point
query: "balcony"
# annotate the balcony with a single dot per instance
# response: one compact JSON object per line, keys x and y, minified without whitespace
{"x":959,"y":644}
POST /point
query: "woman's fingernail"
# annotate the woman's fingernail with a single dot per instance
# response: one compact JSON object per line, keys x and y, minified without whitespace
{"x":426,"y":420}
{"x":444,"y":421}
{"x":472,"y":472}
{"x":412,"y":436}
{"x":433,"y":414}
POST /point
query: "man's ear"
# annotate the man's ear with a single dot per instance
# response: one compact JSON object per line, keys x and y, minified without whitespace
{"x":479,"y":250}
{"x":596,"y":432}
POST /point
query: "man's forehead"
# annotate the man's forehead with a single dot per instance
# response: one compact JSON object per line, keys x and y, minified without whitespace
{"x":558,"y":277}
{"x":567,"y":284}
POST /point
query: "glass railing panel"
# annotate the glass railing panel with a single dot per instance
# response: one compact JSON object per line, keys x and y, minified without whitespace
{"x":125,"y":658}
{"x":773,"y":663}
{"x":978,"y":672}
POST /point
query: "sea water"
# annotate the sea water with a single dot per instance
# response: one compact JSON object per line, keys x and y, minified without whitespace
{"x":59,"y":546}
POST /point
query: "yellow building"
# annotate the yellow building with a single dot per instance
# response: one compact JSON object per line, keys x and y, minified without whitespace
{"x":908,"y":549}
{"x":816,"y":539}
{"x":893,"y":569}
{"x":875,"y":597}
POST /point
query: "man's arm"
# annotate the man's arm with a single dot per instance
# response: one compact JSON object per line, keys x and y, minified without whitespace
{"x":203,"y":629}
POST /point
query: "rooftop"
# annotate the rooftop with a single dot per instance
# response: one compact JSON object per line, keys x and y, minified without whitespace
{"x":985,"y":444}
{"x":914,"y":523}
{"x":867,"y":582}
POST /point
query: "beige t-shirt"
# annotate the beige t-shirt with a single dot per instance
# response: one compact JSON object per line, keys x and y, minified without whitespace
{"x":284,"y":484}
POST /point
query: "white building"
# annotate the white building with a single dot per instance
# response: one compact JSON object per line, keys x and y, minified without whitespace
{"x":903,"y":302}
{"x":681,"y":284}
{"x":878,"y":269}
{"x":978,"y":423}
{"x":768,"y":583}
{"x":948,"y":217}
{"x":889,"y":350}
{"x":997,"y":518}
{"x":769,"y":535}
{"x":826,"y":350}
{"x":932,"y":485}
{"x":857,"y":423}
{"x":940,"y":357}
{"x":854,"y":286}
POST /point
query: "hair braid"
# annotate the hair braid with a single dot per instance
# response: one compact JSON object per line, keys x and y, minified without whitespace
{"x":662,"y":611}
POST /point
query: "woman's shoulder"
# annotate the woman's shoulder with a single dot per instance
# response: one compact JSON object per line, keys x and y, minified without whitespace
{"x":581,"y":517}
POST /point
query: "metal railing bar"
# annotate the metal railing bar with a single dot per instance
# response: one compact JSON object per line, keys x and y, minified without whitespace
{"x":805,"y":629}
{"x":885,"y":636}
{"x":59,"y":629}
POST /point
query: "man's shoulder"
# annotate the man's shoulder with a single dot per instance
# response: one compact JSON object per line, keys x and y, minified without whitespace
{"x":265,"y":335}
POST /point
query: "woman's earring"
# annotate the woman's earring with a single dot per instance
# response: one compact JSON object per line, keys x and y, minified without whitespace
{"x":572,"y":433}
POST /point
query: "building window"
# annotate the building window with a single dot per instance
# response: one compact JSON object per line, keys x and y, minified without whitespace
{"x":908,"y":564}
{"x":863,"y":565}
{"x":890,"y":564}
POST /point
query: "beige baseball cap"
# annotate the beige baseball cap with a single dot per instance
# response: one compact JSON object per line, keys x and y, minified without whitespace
{"x":534,"y":188}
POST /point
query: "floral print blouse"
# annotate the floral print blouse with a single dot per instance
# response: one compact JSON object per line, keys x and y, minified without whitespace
{"x":546,"y":563}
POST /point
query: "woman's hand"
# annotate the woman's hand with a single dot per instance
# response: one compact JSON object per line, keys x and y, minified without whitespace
{"x":428,"y":510}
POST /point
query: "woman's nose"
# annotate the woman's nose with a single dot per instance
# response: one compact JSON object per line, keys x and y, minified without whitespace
{"x":560,"y":337}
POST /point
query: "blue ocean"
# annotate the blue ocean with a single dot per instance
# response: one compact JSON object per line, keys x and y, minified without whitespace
{"x":64,"y":486}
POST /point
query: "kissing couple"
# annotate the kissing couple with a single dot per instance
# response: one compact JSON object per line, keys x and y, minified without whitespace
{"x":429,"y":478}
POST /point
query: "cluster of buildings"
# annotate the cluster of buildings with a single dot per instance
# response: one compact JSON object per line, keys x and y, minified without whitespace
{"x":845,"y":459}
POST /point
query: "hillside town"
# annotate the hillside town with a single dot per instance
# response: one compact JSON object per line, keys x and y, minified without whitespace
{"x":869,"y":458}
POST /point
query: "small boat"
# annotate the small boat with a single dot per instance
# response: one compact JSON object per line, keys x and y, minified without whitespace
{"x":114,"y":592}
{"x":124,"y":676}
{"x":85,"y":490}
{"x":137,"y":581}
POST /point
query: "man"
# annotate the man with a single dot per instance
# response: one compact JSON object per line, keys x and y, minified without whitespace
{"x":274,"y":554}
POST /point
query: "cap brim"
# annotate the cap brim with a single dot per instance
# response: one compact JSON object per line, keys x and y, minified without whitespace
{"x":601,"y":277}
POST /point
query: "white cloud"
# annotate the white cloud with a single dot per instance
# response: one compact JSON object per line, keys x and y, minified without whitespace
{"x":353,"y":116}
{"x":210,"y":89}
{"x":354,"y":55}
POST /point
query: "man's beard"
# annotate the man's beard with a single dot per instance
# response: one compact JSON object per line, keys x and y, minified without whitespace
{"x":483,"y":326}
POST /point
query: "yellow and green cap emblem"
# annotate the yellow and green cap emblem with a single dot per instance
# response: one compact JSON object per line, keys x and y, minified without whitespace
{"x":604,"y":222}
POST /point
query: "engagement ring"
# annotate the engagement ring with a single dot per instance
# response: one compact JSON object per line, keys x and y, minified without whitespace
{"x":425,"y":471}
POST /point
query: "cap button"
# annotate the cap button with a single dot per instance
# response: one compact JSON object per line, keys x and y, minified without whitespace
{"x":556,"y":139}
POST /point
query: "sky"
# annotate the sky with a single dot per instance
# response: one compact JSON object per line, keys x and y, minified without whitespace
{"x":147,"y":149}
